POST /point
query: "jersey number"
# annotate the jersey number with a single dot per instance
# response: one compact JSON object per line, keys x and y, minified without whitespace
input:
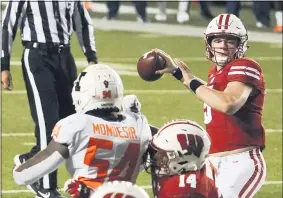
{"x":127,"y":165}
{"x":207,"y":111}
{"x":191,"y":180}
{"x":207,"y":114}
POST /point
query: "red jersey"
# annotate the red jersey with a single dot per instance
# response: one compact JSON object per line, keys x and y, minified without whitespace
{"x":244,"y":128}
{"x":195,"y":184}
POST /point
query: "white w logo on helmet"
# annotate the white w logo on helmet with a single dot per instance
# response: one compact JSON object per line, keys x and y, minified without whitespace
{"x":180,"y":146}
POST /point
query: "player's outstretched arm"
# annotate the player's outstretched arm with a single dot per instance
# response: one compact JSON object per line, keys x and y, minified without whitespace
{"x":228,"y":101}
{"x":44,"y":162}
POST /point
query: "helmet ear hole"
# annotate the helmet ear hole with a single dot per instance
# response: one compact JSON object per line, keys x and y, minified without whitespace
{"x":238,"y":41}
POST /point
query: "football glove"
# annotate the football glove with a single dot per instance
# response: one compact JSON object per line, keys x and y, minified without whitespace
{"x":131,"y":104}
{"x":76,"y":189}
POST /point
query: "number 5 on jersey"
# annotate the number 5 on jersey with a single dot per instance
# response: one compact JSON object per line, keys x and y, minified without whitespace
{"x":207,"y":111}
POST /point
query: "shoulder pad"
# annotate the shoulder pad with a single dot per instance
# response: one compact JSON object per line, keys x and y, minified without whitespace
{"x":70,"y":124}
{"x":246,"y":62}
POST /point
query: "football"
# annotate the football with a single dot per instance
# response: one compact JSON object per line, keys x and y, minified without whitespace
{"x":148,"y":64}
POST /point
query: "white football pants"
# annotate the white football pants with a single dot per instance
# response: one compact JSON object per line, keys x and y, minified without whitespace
{"x":240,"y":175}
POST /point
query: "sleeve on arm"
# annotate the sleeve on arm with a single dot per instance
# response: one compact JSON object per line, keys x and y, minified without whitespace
{"x":62,"y":134}
{"x":246,"y":72}
{"x":66,"y":129}
{"x":34,"y":172}
{"x":12,"y":17}
{"x":85,"y":31}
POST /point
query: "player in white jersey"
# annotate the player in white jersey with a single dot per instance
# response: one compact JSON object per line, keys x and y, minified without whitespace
{"x":100,"y":143}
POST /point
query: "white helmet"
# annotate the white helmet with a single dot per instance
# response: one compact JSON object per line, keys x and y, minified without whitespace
{"x":226,"y":24}
{"x":178,"y":147}
{"x":97,"y":87}
{"x":121,"y":189}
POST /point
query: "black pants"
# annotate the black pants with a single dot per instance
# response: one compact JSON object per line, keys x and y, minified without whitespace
{"x":113,"y":9}
{"x":261,"y":11}
{"x":49,"y":77}
{"x":278,"y":5}
{"x":204,"y":9}
{"x":233,"y":7}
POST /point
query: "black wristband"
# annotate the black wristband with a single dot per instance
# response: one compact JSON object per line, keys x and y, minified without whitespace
{"x":177,"y":73}
{"x":194,"y":84}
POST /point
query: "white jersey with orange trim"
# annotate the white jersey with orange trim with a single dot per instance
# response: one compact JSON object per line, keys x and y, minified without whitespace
{"x":102,"y":150}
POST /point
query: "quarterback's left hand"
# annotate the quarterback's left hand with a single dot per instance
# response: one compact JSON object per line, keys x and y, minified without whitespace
{"x":187,"y":73}
{"x":76,"y":189}
{"x":131,"y":104}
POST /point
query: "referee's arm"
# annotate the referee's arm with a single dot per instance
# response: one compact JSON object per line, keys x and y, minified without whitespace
{"x":12,"y":17}
{"x":84,"y":30}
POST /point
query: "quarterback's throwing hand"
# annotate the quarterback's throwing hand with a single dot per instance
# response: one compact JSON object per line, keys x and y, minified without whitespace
{"x":169,"y":62}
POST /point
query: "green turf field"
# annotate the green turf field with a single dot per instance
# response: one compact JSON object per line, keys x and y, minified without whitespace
{"x":123,"y":49}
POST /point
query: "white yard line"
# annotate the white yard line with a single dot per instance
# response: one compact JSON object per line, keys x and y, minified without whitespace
{"x":32,"y":143}
{"x":143,"y":91}
{"x":17,"y":134}
{"x":81,"y":62}
{"x":144,"y":187}
{"x":32,"y":134}
{"x":273,"y":130}
{"x":28,"y":143}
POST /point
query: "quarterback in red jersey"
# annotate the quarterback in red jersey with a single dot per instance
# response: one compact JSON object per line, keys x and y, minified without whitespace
{"x":233,"y":102}
{"x":179,"y":162}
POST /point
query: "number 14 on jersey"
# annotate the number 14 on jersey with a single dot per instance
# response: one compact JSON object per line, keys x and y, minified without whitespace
{"x":188,"y":179}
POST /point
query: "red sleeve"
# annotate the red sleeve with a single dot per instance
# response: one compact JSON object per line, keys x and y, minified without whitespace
{"x":246,"y":71}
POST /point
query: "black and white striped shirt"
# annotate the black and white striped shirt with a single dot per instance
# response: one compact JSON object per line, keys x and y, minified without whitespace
{"x":47,"y":22}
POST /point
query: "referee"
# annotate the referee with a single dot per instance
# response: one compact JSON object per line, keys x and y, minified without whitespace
{"x":48,"y":66}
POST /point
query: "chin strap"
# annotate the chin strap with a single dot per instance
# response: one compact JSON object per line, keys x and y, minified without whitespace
{"x":228,"y":58}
